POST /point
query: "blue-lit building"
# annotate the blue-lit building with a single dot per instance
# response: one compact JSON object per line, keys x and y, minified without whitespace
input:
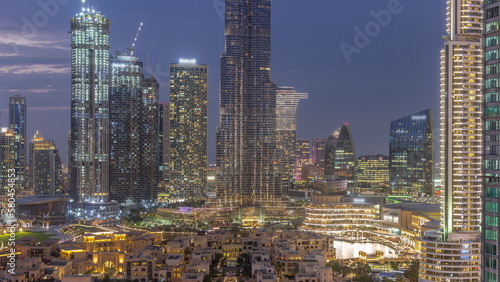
{"x":411,"y":155}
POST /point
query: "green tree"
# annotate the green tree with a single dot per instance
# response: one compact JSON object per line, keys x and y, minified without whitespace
{"x":411,"y":274}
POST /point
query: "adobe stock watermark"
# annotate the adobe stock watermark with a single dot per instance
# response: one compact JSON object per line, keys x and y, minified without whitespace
{"x":10,"y":219}
{"x":32,"y":25}
{"x":363,"y":36}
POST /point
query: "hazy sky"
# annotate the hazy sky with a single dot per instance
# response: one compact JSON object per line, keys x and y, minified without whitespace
{"x":392,"y":74}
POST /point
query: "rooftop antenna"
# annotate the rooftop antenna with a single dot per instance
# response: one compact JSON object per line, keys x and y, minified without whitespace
{"x":83,"y":5}
{"x":131,"y":49}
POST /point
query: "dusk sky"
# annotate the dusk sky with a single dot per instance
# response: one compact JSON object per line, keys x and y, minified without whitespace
{"x":394,"y":75}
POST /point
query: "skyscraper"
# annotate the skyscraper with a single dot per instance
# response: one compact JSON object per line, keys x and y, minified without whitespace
{"x":7,"y":157}
{"x":89,"y":148}
{"x":17,"y":120}
{"x":302,"y":157}
{"x":453,"y":252}
{"x":164,"y":141}
{"x":248,"y":172}
{"x":318,"y":151}
{"x":149,"y":137}
{"x":188,"y":129}
{"x":373,"y":174}
{"x":125,"y":108}
{"x":491,"y":214}
{"x":340,"y":156}
{"x":411,"y":154}
{"x":45,"y":170}
{"x":287,"y":101}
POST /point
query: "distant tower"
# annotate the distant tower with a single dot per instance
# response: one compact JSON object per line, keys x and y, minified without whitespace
{"x":45,"y":170}
{"x":373,"y":174}
{"x":149,"y":137}
{"x":247,"y":165}
{"x":7,"y":157}
{"x":318,"y":146}
{"x":302,"y":157}
{"x":340,"y":156}
{"x":452,"y":253}
{"x":89,"y":160}
{"x":287,"y":101}
{"x":163,"y":158}
{"x":411,"y":155}
{"x":188,"y":129}
{"x":17,"y":120}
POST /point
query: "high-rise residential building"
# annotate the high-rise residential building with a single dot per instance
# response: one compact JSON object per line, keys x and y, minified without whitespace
{"x":89,"y":140}
{"x":164,"y":141}
{"x":45,"y":170}
{"x":491,"y":214}
{"x":149,"y":136}
{"x":133,"y":108}
{"x":373,"y":174}
{"x":17,"y":120}
{"x":7,"y":157}
{"x":248,"y":170}
{"x":302,"y":157}
{"x":453,"y":253}
{"x":318,"y":151}
{"x":188,"y":129}
{"x":411,"y":155}
{"x":125,"y":119}
{"x":340,"y":156}
{"x":287,"y":101}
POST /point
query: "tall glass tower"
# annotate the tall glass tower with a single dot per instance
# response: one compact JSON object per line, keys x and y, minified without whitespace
{"x":287,"y":101}
{"x":453,"y":252}
{"x":247,"y":170}
{"x":125,"y":108}
{"x":491,"y":213}
{"x":411,"y":154}
{"x":17,"y":121}
{"x":89,"y":146}
{"x":45,"y":173}
{"x":340,"y":156}
{"x":188,"y":130}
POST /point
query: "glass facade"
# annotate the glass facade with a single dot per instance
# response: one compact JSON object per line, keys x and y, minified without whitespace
{"x":7,"y":157}
{"x":188,"y":131}
{"x":133,"y":107}
{"x":373,"y":174}
{"x":340,"y":156}
{"x":453,"y":252}
{"x":491,"y":183}
{"x":411,"y":151}
{"x":45,"y":170}
{"x":287,"y":101}
{"x":303,"y":157}
{"x":318,"y":146}
{"x":17,"y":121}
{"x":248,"y":172}
{"x":89,"y":139}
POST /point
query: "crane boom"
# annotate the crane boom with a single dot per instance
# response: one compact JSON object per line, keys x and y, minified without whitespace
{"x":131,"y":49}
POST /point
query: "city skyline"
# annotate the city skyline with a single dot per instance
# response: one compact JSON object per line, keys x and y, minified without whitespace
{"x":290,"y":66}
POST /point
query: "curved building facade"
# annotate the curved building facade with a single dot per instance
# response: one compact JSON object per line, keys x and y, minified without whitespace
{"x":411,"y":153}
{"x":340,"y":156}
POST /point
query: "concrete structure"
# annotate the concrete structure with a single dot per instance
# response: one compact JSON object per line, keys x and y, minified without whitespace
{"x":453,"y":252}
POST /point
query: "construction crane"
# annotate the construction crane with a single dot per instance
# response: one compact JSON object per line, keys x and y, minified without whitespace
{"x":131,"y":49}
